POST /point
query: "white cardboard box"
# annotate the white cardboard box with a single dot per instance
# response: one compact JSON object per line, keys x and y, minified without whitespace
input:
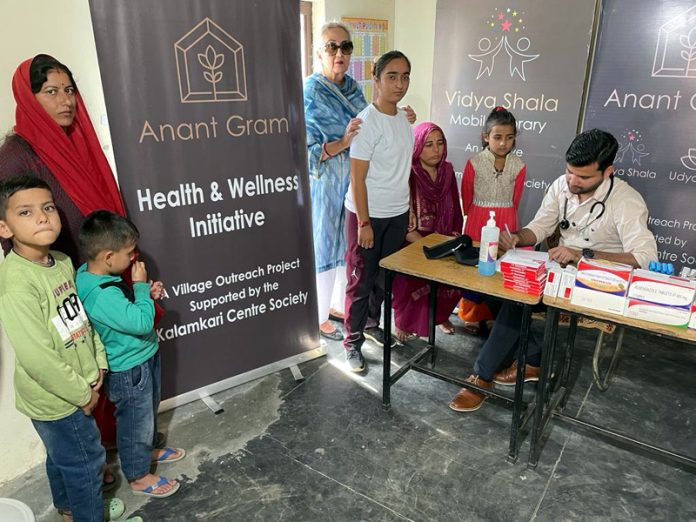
{"x":655,"y":313}
{"x":601,"y":285}
{"x":662,"y":289}
{"x":567,"y":284}
{"x":660,"y":298}
{"x":553,"y":282}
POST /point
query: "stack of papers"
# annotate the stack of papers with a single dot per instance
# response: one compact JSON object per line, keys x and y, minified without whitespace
{"x":524,"y":271}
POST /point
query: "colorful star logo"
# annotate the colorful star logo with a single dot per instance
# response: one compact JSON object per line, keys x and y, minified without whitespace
{"x":503,"y":23}
{"x":506,"y":20}
{"x":633,"y":147}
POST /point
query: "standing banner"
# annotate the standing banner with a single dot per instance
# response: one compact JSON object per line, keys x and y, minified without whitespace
{"x":527,"y":56}
{"x":643,"y":90}
{"x":205,"y":109}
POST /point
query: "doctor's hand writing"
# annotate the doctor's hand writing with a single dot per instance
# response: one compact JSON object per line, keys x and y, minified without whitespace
{"x":508,"y":241}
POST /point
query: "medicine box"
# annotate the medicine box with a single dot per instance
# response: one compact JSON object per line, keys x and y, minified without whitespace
{"x":660,"y":298}
{"x":553,"y":282}
{"x":567,"y":283}
{"x":601,"y":285}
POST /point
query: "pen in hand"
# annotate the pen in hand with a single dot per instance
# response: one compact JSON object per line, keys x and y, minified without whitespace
{"x":507,"y":229}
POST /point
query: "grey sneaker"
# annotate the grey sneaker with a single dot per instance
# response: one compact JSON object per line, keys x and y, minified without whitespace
{"x":355,"y":360}
{"x":376,"y":335}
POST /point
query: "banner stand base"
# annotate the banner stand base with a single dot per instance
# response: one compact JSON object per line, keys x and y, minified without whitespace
{"x":207,"y":391}
{"x":296,"y":373}
{"x":212,"y":404}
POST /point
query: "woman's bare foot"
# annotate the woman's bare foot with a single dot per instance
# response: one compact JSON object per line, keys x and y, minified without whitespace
{"x":327,"y":327}
{"x":66,"y":516}
{"x":148,"y":480}
{"x":402,"y":336}
{"x":447,"y":327}
{"x":471,"y":328}
{"x":335,"y":313}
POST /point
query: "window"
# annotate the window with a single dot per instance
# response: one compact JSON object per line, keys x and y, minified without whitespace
{"x":306,"y":37}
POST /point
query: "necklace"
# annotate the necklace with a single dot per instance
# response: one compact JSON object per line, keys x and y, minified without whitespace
{"x":51,"y":260}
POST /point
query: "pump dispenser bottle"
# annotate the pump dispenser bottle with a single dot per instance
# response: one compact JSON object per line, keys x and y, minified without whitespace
{"x":489,"y":246}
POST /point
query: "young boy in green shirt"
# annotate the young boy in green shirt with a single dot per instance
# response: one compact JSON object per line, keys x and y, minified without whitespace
{"x":60,"y":360}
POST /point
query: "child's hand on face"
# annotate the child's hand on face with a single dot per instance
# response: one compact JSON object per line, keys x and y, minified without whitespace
{"x":156,"y":288}
{"x":138,"y":272}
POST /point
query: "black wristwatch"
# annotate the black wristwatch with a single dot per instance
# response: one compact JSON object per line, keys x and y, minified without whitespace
{"x":587,"y":253}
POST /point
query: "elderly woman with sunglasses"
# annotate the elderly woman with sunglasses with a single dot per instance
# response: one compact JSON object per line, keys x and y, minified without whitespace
{"x":332,"y":99}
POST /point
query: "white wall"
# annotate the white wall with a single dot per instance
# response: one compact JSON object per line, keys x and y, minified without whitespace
{"x":414,"y":35}
{"x":64,"y":30}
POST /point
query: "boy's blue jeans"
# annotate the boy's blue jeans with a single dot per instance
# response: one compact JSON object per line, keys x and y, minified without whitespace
{"x":74,"y":464}
{"x":136,"y":395}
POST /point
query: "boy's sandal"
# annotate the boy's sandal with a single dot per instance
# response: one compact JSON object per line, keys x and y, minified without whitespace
{"x":149,"y":491}
{"x":166,"y":455}
{"x":113,"y":508}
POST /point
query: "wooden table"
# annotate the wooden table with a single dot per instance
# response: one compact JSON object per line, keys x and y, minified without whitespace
{"x":551,"y":397}
{"x":412,"y":261}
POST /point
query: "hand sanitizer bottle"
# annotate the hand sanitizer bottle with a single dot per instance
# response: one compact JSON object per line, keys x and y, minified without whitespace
{"x":489,"y":247}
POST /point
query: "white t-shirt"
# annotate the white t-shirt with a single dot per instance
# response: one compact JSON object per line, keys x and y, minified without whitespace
{"x":387,"y":143}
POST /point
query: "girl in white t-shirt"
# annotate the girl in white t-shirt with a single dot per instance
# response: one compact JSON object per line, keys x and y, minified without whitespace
{"x":376,"y":202}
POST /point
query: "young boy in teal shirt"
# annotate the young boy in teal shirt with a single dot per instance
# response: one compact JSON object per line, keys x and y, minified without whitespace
{"x":60,"y":360}
{"x":123,"y":316}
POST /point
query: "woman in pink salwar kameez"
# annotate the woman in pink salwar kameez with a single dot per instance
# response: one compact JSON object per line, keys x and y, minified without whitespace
{"x":435,"y":204}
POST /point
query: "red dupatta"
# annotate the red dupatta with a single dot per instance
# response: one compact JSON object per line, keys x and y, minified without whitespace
{"x":74,"y":157}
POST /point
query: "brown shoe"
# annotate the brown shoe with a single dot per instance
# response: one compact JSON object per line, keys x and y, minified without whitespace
{"x":470,"y":400}
{"x":508,"y":376}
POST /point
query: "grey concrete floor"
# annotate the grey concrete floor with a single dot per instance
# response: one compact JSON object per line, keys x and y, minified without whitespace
{"x":325,"y":449}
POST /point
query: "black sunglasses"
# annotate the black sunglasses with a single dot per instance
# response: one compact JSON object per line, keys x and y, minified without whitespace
{"x":345,"y":46}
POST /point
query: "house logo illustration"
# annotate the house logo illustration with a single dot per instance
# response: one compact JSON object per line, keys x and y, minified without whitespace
{"x":631,"y":148}
{"x":210,"y":65}
{"x":689,"y":161}
{"x":675,"y":53}
{"x":505,"y":25}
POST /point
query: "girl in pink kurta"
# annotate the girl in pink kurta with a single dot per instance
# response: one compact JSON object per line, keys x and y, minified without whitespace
{"x":492,"y":180}
{"x":435,"y":204}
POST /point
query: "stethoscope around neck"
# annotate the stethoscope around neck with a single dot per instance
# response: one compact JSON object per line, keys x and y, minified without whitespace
{"x":565,"y":224}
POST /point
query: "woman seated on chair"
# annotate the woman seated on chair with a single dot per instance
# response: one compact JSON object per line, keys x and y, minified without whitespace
{"x":436,"y":208}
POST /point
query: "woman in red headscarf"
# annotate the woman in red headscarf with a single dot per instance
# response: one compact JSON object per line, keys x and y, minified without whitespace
{"x":435,"y":204}
{"x":54,"y":140}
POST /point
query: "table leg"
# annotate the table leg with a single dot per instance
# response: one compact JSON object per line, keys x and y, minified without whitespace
{"x":386,"y":368}
{"x":519,"y":385}
{"x":431,"y":321}
{"x":545,"y":371}
{"x":568,"y":360}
